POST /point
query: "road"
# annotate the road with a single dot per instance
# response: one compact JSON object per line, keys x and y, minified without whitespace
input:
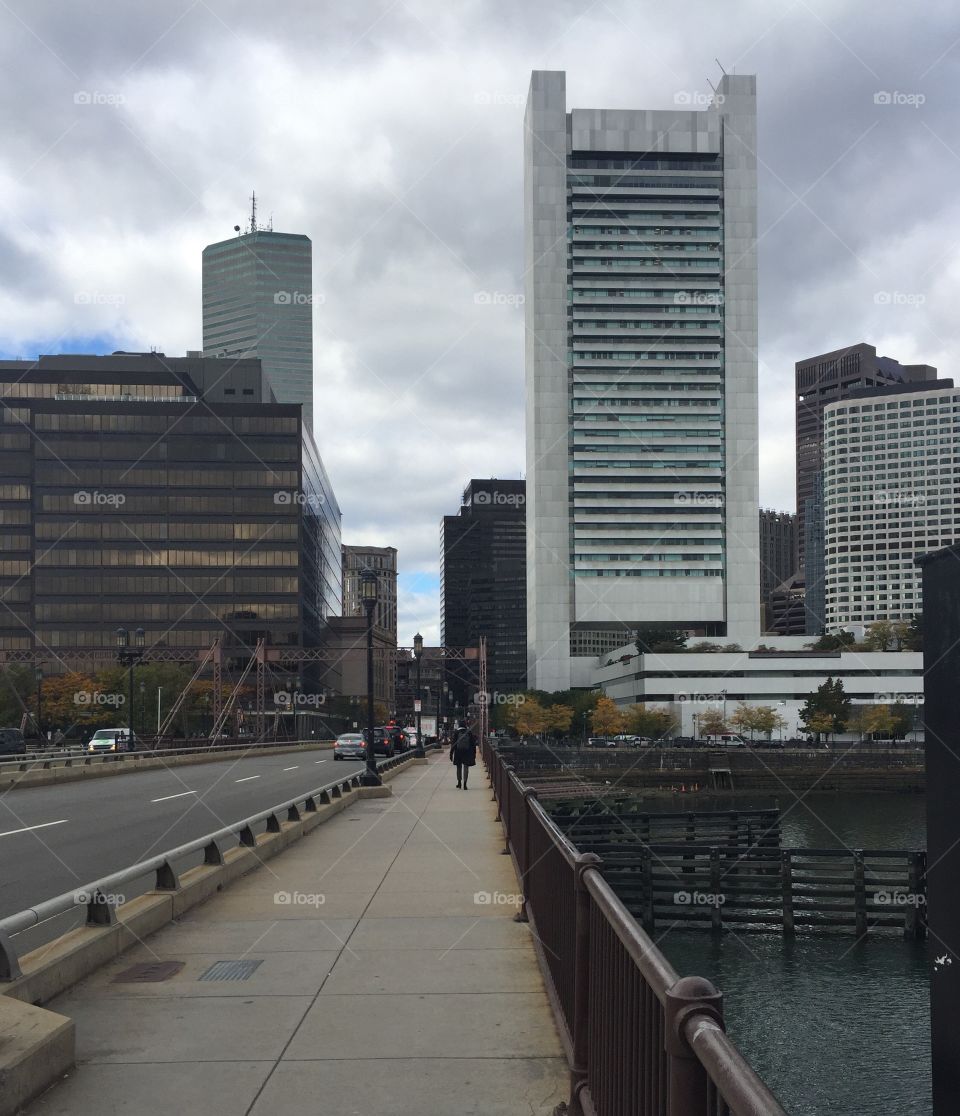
{"x":57,"y":838}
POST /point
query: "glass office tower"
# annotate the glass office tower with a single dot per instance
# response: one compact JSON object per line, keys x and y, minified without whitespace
{"x":258,"y":302}
{"x":641,"y":366}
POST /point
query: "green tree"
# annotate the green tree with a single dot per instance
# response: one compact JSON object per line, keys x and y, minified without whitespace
{"x":902,"y":716}
{"x":835,"y":642}
{"x":711,"y":722}
{"x":704,"y":646}
{"x":878,"y":721}
{"x":744,"y":719}
{"x":880,"y":636}
{"x":559,"y":719}
{"x":528,"y":717}
{"x":829,"y":704}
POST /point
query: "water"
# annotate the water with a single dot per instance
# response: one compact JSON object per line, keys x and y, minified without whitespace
{"x":835,"y":1028}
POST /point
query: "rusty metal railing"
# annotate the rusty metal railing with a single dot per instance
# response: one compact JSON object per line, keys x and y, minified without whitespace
{"x":639,"y":1039}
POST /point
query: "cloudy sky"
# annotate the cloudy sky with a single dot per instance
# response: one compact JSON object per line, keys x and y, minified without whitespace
{"x":390,"y":132}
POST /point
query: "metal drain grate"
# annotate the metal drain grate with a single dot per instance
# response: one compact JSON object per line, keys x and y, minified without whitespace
{"x":231,"y":970}
{"x":148,"y":972}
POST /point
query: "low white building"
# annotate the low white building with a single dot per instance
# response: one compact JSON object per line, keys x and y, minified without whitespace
{"x":690,"y":683}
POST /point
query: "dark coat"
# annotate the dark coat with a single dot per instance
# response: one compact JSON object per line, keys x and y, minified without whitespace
{"x":464,"y":749}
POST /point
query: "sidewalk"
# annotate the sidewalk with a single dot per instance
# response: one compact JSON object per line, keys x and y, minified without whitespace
{"x":382,"y":987}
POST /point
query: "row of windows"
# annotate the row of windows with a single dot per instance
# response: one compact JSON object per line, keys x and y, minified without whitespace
{"x":110,"y":584}
{"x":120,"y":477}
{"x":638,"y":245}
{"x":160,"y":638}
{"x":27,"y":389}
{"x":226,"y":504}
{"x":640,"y":262}
{"x":648,"y":573}
{"x":155,"y":610}
{"x":159,"y":424}
{"x":678,"y":300}
{"x":651,"y":463}
{"x":14,"y":491}
{"x":645,"y":230}
{"x":645,"y":354}
{"x":626,"y":180}
{"x":225,"y":532}
{"x":62,"y":556}
{"x":647,"y":557}
{"x":627,"y":211}
{"x":646,"y":323}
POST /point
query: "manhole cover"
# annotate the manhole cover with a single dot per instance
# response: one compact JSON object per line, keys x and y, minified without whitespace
{"x":231,"y":970}
{"x":148,"y":972}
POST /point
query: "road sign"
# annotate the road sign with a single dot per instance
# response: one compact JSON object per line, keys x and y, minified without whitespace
{"x":417,"y":705}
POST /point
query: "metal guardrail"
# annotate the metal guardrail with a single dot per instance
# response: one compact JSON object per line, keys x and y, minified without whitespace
{"x":95,"y":896}
{"x":77,"y":757}
{"x":639,"y":1039}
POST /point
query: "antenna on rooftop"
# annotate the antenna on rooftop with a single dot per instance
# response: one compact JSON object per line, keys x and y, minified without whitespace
{"x":253,"y":211}
{"x":720,"y":64}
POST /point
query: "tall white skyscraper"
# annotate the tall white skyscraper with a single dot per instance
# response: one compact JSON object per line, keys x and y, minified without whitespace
{"x":641,"y":369}
{"x":258,"y":302}
{"x":889,"y":495}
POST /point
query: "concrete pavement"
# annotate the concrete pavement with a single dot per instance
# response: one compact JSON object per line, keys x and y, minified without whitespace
{"x":385,"y":981}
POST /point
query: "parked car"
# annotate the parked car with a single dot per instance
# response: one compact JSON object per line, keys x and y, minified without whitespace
{"x":12,"y":742}
{"x":600,"y":742}
{"x":350,"y":745}
{"x":727,"y":740}
{"x":112,"y":740}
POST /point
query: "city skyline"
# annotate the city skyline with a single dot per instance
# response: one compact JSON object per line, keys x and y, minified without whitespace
{"x":89,"y":265}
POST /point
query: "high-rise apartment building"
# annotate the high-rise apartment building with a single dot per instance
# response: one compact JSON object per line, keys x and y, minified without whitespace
{"x":258,"y":302}
{"x":140,"y":490}
{"x":777,"y":550}
{"x":382,"y":560}
{"x":483,"y":584}
{"x":825,"y":379}
{"x":641,"y":369}
{"x":890,"y":493}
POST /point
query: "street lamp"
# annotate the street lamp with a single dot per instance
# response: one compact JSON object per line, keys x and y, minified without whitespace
{"x":38,"y":674}
{"x":143,"y":706}
{"x":418,"y":655}
{"x":128,"y":656}
{"x":368,"y":597}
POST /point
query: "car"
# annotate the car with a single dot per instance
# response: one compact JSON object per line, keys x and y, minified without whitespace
{"x":600,"y":742}
{"x":112,"y":740}
{"x":401,"y":741}
{"x":727,"y":740}
{"x":12,"y":742}
{"x":383,"y":742}
{"x":350,"y":745}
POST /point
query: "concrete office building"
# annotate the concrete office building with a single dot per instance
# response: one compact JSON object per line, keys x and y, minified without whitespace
{"x":815,"y":599}
{"x":382,"y":560}
{"x":826,"y":379}
{"x":890,"y":494}
{"x":258,"y":302}
{"x":483,"y":584}
{"x":140,"y":490}
{"x":689,"y":684}
{"x":777,"y":555}
{"x":641,"y":370}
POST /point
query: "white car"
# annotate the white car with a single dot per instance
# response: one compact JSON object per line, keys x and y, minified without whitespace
{"x":350,"y":745}
{"x":112,"y":740}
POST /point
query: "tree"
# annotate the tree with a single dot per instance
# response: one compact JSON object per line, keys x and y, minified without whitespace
{"x":878,"y":721}
{"x":712,"y":723}
{"x":606,"y":719}
{"x":819,"y":723}
{"x":559,"y":719}
{"x":528,"y":717}
{"x":880,"y":636}
{"x":835,"y":642}
{"x":704,"y":646}
{"x":902,"y":717}
{"x":744,"y":719}
{"x":653,"y":722}
{"x":653,"y":638}
{"x":778,"y":725}
{"x":829,"y":705}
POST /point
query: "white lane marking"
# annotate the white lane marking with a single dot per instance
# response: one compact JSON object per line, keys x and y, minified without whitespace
{"x":319,"y":761}
{"x":247,"y":780}
{"x":294,"y":768}
{"x":31,"y":828}
{"x":167,"y":797}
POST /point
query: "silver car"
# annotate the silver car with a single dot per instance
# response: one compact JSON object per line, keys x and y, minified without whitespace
{"x":112,"y":740}
{"x":350,"y":745}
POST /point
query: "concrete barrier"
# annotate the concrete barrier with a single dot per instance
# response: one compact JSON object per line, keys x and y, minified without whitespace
{"x":37,"y":1046}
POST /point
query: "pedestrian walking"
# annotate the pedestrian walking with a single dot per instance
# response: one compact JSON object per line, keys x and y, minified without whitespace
{"x":463,"y":752}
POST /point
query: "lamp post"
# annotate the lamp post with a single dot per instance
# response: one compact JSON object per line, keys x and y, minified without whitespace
{"x":418,"y":655}
{"x":440,"y":688}
{"x":368,"y":595}
{"x":38,"y":674}
{"x":128,"y":656}
{"x":143,"y":706}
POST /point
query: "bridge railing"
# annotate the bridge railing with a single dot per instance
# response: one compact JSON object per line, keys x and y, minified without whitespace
{"x":640,"y":1040}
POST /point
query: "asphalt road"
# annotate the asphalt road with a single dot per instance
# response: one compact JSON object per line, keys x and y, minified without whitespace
{"x":58,"y":838}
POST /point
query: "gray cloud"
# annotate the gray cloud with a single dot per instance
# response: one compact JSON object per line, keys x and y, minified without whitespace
{"x":391,"y":134}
